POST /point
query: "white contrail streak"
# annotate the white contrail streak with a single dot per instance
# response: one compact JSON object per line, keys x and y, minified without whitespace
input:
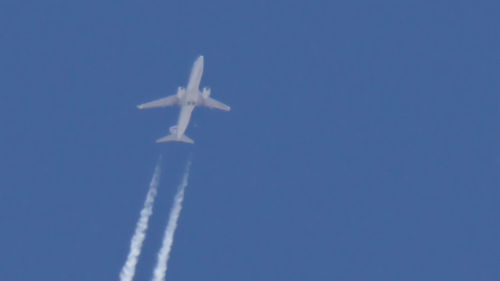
{"x":168,"y":239}
{"x":128,"y":270}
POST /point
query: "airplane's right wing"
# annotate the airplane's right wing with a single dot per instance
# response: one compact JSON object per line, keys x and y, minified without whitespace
{"x":212,"y":103}
{"x":170,"y":100}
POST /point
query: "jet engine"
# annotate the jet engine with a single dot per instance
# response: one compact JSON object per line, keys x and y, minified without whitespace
{"x":173,"y":129}
{"x":180,"y":91}
{"x":206,"y":92}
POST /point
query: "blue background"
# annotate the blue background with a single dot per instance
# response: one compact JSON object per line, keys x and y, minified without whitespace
{"x":363,"y":141}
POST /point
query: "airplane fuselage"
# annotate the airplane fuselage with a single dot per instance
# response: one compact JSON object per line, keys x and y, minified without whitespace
{"x":190,"y":97}
{"x":184,"y":117}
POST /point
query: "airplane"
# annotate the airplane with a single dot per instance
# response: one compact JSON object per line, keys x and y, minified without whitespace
{"x":187,"y":98}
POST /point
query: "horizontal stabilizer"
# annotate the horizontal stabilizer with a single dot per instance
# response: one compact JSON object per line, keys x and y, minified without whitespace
{"x":173,"y":137}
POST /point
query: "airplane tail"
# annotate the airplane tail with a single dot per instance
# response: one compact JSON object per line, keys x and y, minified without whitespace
{"x":173,"y":137}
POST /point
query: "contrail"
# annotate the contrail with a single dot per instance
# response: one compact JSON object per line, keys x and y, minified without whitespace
{"x":128,"y":270}
{"x":168,"y":239}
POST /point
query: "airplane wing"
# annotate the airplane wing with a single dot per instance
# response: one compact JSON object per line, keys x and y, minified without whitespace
{"x":168,"y":101}
{"x":212,"y":103}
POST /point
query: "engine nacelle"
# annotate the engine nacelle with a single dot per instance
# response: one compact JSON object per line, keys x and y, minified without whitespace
{"x":173,"y":130}
{"x":180,"y":91}
{"x":206,"y":92}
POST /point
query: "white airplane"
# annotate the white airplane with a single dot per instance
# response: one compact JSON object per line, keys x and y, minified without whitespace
{"x":187,"y":99}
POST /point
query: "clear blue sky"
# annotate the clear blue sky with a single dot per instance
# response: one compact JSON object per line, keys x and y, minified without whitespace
{"x":363,"y":141}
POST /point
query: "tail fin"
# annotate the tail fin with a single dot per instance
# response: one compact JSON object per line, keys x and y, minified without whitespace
{"x":173,"y":137}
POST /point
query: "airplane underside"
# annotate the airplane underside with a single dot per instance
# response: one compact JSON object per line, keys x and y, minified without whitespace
{"x":187,"y":98}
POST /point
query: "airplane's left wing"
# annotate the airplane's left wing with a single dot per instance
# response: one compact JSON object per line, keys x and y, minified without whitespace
{"x":168,"y":101}
{"x":212,"y":103}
